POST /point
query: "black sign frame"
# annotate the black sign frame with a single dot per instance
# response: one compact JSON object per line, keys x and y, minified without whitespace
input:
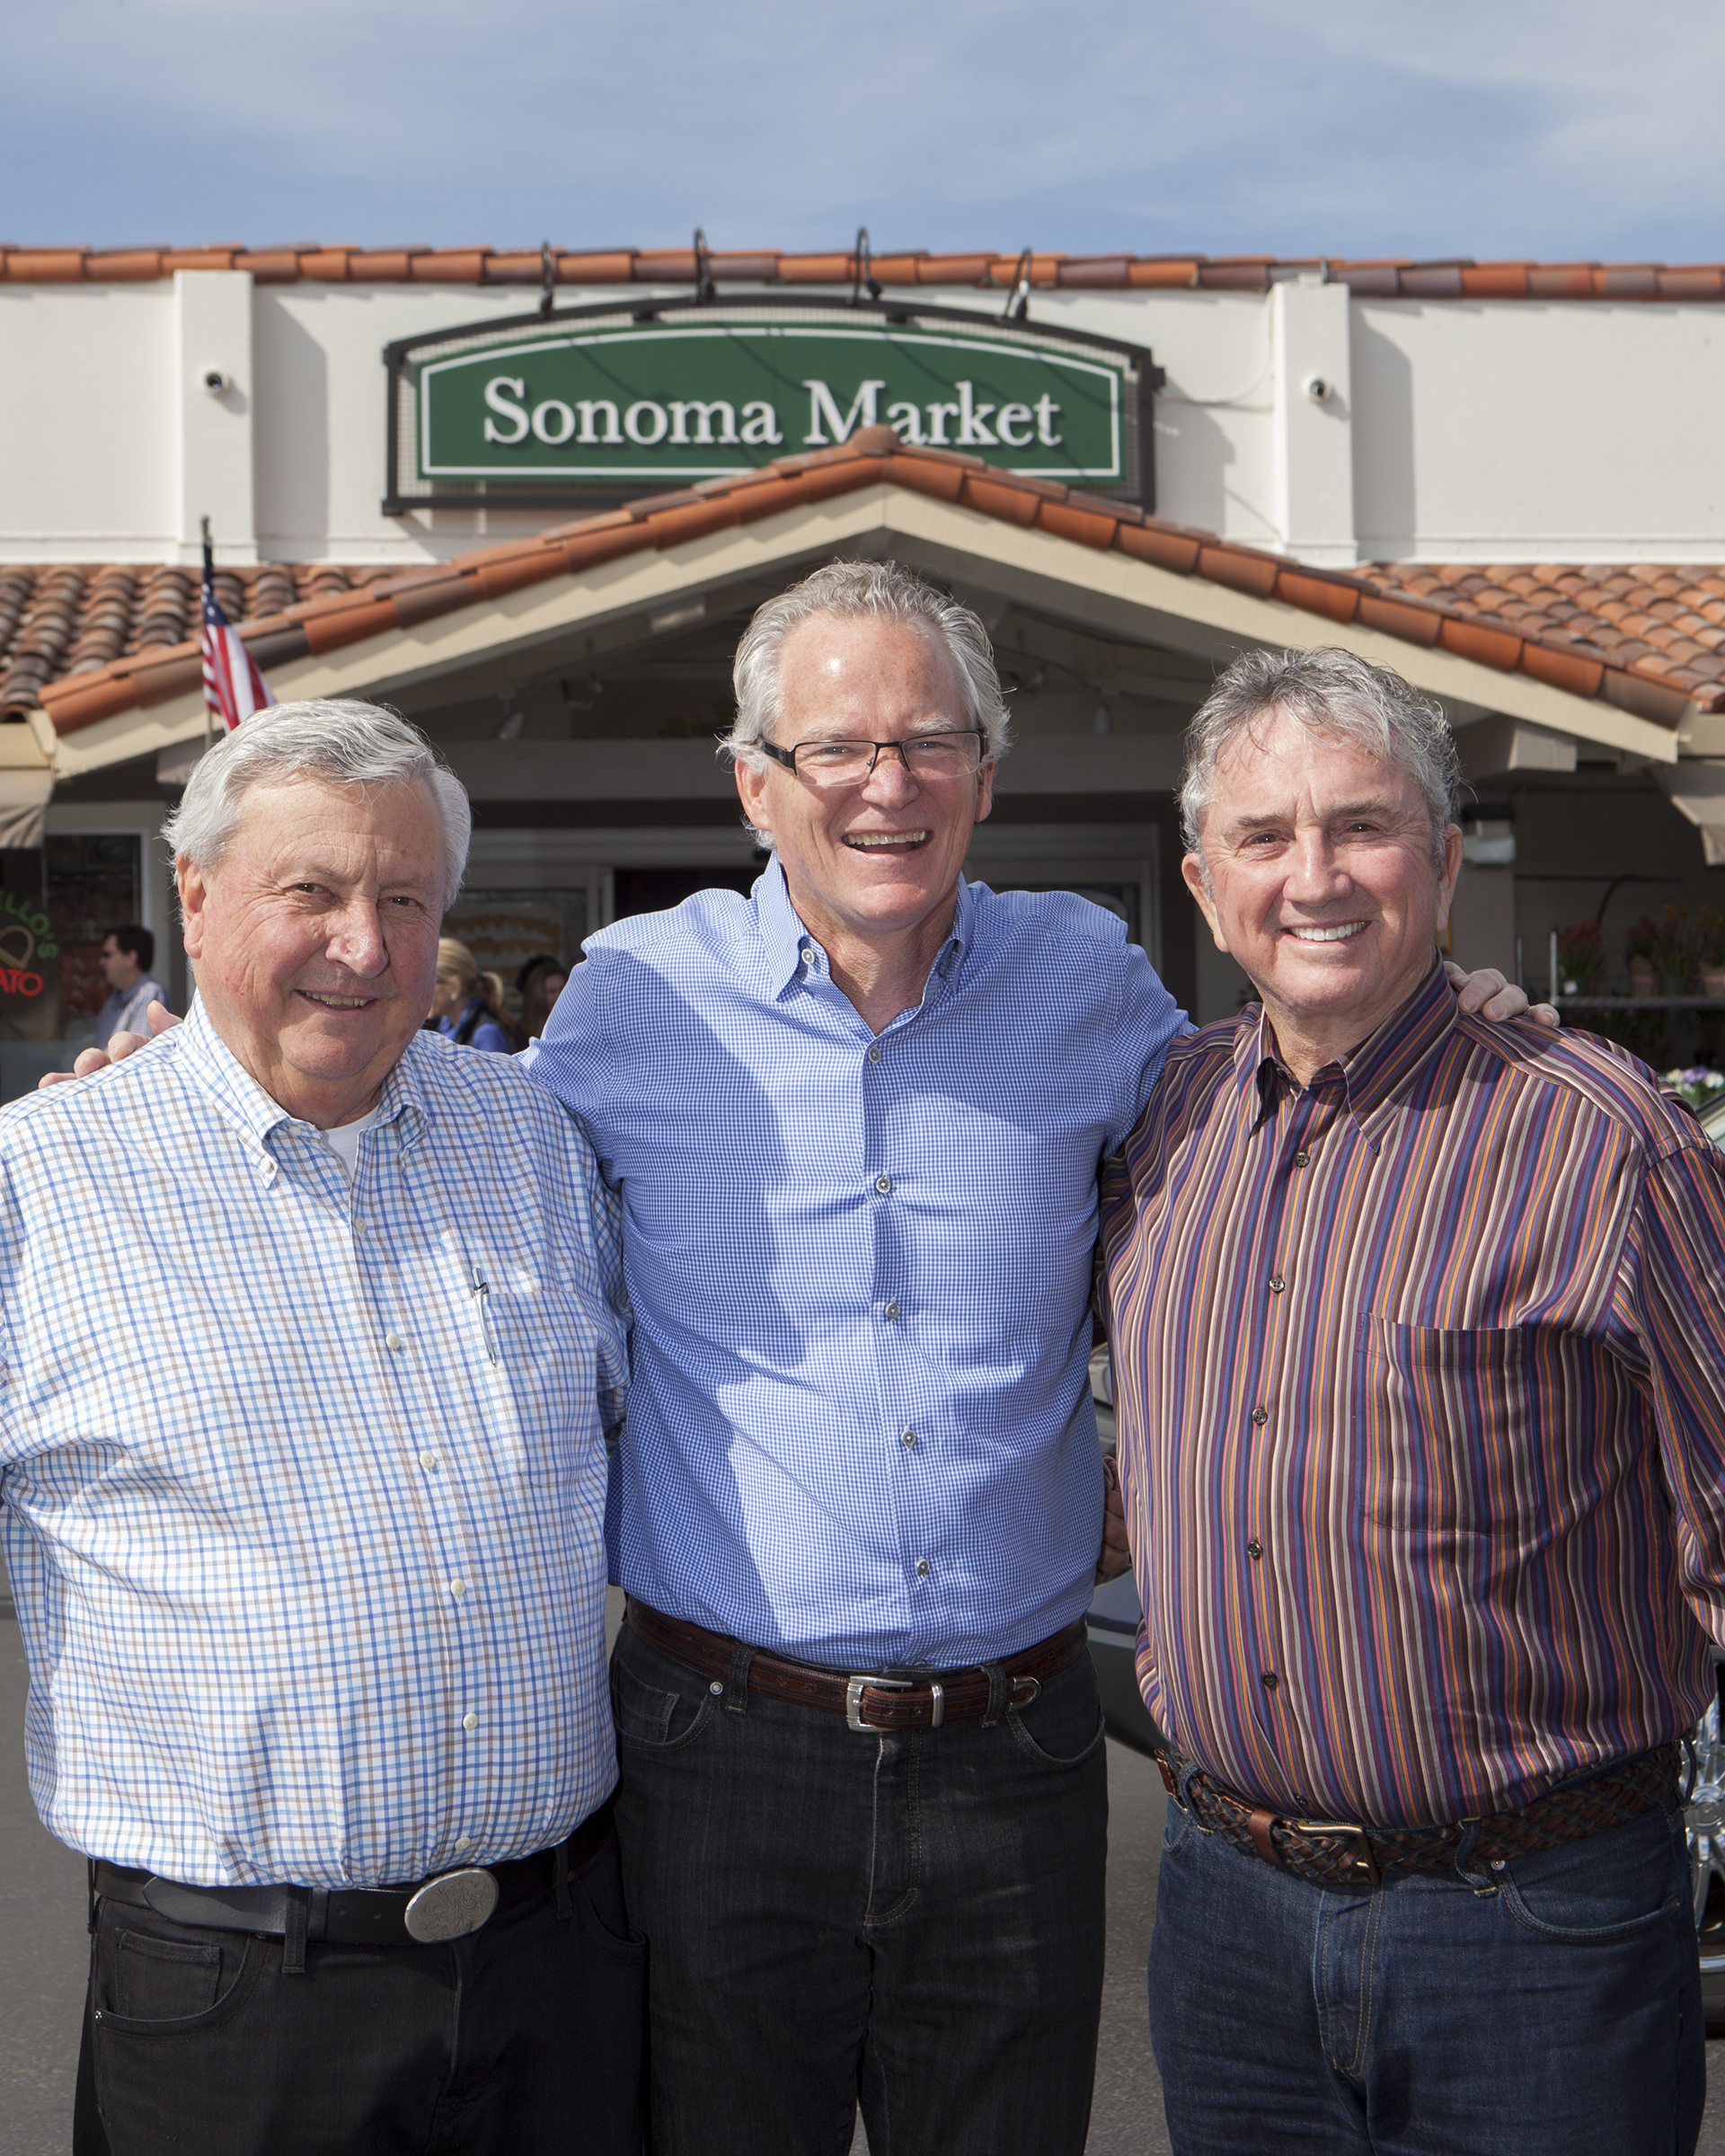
{"x":402,"y":354}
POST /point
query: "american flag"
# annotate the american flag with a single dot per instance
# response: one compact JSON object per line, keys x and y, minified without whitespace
{"x":233,"y":686}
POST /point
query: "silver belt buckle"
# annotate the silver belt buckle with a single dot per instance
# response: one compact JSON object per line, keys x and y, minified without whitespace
{"x":1365,"y":1862}
{"x":451,"y":1906}
{"x":853,"y":1696}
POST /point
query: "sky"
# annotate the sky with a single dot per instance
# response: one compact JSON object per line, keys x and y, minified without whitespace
{"x":1555,"y":129}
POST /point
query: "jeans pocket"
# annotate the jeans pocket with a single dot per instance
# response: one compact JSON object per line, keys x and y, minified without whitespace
{"x":1603,"y":1888}
{"x":1064,"y":1725}
{"x":658,"y":1707}
{"x":164,"y":1979}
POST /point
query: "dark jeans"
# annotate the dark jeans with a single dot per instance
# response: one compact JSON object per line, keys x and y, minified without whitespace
{"x":914,"y":1919}
{"x":1549,"y":2005}
{"x":524,"y":2039}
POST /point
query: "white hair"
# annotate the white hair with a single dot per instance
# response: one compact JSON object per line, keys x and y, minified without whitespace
{"x":341,"y":743}
{"x":855,"y":590}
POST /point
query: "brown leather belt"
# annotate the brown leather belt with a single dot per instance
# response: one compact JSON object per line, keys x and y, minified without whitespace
{"x":880,"y":1701}
{"x":1333,"y":1852}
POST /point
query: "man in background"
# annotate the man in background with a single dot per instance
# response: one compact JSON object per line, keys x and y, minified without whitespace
{"x":126,"y":957}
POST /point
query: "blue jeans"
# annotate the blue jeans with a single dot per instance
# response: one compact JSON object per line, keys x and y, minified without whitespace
{"x":914,"y":1919}
{"x":1550,"y":2003}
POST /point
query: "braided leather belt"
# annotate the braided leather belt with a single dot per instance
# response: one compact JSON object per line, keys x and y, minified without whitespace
{"x":867,"y":1701}
{"x":1333,"y":1852}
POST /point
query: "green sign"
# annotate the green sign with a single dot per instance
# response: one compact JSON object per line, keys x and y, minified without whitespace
{"x":664,"y":401}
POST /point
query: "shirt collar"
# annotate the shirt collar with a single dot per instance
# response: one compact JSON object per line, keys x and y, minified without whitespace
{"x":786,"y":938}
{"x":1373,"y":1074}
{"x":258,"y":1114}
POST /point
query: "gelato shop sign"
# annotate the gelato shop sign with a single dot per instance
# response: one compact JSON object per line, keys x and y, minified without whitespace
{"x":603,"y":398}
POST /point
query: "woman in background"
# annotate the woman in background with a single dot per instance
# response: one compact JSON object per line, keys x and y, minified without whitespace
{"x":468,"y":1006}
{"x":540,"y":983}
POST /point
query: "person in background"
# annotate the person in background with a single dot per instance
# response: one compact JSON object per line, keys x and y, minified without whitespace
{"x":468,"y":1006}
{"x":126,"y":957}
{"x":540,"y":982}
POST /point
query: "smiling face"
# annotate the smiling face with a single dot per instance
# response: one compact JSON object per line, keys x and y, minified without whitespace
{"x":1320,"y":884}
{"x":315,"y":939}
{"x":879,"y":860}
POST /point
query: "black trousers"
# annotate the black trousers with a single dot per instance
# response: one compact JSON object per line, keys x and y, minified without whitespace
{"x":913,"y":1921}
{"x":524,"y":2039}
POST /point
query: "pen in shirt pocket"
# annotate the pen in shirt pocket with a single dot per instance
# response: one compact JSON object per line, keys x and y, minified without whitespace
{"x":480,"y":1288}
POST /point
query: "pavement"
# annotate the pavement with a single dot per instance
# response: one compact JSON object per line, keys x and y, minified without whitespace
{"x":42,"y":1922}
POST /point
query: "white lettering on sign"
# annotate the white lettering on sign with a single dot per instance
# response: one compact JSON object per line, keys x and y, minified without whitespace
{"x":498,"y":400}
{"x":554,"y":421}
{"x":1045,"y":409}
{"x":761,"y":423}
{"x":1010,"y":418}
{"x":703,"y":416}
{"x":587,"y":407}
{"x":821,"y":406}
{"x":938,"y":415}
{"x":972,"y":432}
{"x":908,"y":420}
{"x":646,"y":422}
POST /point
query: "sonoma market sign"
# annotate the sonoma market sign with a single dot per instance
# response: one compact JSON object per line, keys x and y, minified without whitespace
{"x":615,"y":399}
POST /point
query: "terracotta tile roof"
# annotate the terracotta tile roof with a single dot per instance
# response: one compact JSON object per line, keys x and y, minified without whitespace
{"x":88,"y":643}
{"x":1450,"y":279}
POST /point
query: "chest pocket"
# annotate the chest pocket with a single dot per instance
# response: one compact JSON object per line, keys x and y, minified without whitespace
{"x":1442,"y":1428}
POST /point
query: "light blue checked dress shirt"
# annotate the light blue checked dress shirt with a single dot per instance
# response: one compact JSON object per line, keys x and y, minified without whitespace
{"x":306,"y":1530}
{"x":860,"y":1430}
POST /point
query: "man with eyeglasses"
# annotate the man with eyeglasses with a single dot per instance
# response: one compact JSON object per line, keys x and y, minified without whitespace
{"x":855,"y":1121}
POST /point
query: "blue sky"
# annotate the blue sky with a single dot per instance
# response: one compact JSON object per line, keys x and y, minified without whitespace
{"x":1530,"y":127}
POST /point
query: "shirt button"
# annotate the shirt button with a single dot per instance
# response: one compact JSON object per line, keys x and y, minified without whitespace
{"x":808,"y":954}
{"x":889,"y":1311}
{"x":906,"y":1438}
{"x":1276,"y":1283}
{"x":393,"y":1339}
{"x":883,"y":1183}
{"x":1261,"y":1416}
{"x":1270,"y":1680}
{"x":922,"y":1567}
{"x":457,"y":1587}
{"x":470,"y":1721}
{"x":875,"y":1053}
{"x":1255,"y":1549}
{"x":463,"y":1840}
{"x":358,"y":1227}
{"x":428,"y":1460}
{"x":1302,"y":1160}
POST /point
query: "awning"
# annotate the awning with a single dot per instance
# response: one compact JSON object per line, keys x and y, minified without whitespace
{"x":1697,"y":787}
{"x":23,"y":806}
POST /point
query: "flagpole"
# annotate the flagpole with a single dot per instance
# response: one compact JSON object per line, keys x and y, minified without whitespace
{"x":209,"y":576}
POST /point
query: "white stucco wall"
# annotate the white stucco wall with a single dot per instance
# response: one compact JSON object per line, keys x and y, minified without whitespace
{"x":1448,"y":431}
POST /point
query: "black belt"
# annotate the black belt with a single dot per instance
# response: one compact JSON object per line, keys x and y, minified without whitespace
{"x":448,"y":1905}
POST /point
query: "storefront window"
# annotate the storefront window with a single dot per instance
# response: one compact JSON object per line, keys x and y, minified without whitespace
{"x":505,"y":929}
{"x":94,"y":883}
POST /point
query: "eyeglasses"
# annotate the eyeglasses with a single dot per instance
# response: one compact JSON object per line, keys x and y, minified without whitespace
{"x":944,"y":755}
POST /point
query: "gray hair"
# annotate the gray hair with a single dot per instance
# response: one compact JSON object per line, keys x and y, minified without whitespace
{"x":1326,"y":690}
{"x":861,"y":591}
{"x":344,"y":744}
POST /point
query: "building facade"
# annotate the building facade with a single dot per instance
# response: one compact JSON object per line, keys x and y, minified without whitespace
{"x":530,"y":499}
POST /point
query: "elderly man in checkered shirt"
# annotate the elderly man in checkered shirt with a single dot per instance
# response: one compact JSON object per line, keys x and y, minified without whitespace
{"x":307,"y":1542}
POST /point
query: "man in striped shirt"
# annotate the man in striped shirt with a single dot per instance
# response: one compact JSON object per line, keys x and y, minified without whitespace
{"x":1418,"y":1334}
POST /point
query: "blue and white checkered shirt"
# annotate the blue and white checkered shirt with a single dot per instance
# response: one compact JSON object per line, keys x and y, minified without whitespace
{"x":859,"y":1426}
{"x":306,"y":1530}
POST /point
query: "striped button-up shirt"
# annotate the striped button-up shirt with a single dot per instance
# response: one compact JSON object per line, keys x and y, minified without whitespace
{"x":859,"y":1426}
{"x":304,"y":1479}
{"x":1420,"y":1378}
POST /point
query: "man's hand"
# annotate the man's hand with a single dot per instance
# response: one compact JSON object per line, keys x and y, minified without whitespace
{"x":162,"y":1019}
{"x":1494,"y":998}
{"x":1116,"y":1555}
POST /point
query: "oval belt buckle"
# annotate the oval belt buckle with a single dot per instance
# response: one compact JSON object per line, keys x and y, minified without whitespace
{"x":451,"y":1906}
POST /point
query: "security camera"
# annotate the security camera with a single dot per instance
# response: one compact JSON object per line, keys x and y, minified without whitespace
{"x":1317,"y":388}
{"x":216,"y":382}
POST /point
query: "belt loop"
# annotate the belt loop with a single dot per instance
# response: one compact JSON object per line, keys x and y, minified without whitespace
{"x":295,"y":1922}
{"x":998,"y":1689}
{"x":1465,"y":1866}
{"x":560,"y":1899}
{"x":94,"y":1897}
{"x":737,"y":1690}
